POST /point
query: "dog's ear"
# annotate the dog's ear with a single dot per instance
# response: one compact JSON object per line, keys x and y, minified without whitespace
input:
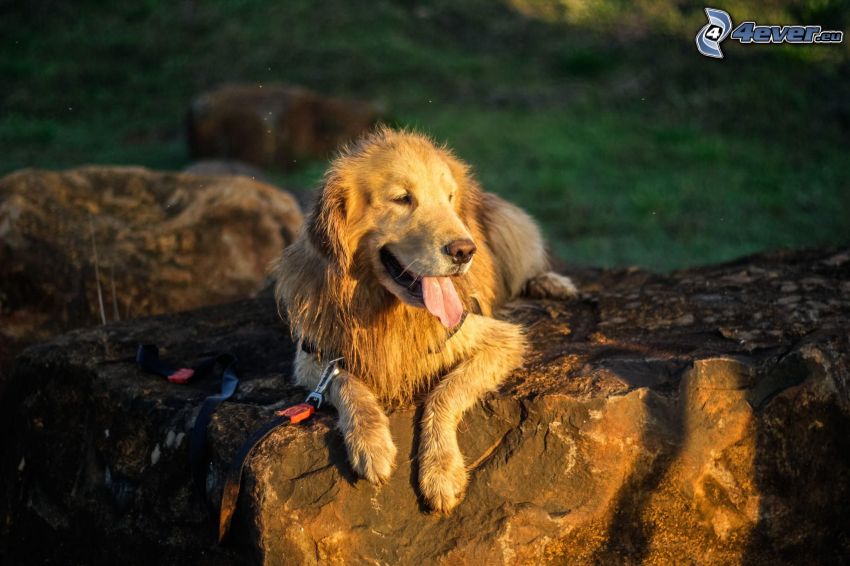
{"x":470,"y":191}
{"x":326,"y":225}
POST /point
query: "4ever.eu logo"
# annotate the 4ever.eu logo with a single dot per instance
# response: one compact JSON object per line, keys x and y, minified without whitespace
{"x":719,"y":27}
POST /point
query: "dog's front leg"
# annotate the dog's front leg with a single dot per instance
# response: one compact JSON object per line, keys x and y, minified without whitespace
{"x":364,"y":426}
{"x":442,"y":472}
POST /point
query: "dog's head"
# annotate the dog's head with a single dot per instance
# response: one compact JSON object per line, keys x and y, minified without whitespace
{"x":400,"y":207}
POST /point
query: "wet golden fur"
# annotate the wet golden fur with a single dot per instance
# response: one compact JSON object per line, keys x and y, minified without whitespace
{"x":337,"y":296}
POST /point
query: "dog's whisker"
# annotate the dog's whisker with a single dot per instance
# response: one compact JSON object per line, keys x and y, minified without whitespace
{"x":407,"y":269}
{"x":416,"y":277}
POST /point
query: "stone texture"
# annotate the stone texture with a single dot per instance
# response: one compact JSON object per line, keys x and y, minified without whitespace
{"x":273,"y":125}
{"x":700,"y":417}
{"x":165,"y":242}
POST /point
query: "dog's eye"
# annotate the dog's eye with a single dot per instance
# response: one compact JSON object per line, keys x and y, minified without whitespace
{"x":404,"y":199}
{"x":451,"y":197}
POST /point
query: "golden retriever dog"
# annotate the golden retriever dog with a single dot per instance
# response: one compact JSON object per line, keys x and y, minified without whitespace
{"x":398,"y":271}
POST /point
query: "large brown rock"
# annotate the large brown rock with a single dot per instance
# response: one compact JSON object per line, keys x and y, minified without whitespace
{"x":700,"y":417}
{"x":273,"y":125}
{"x":164,"y":242}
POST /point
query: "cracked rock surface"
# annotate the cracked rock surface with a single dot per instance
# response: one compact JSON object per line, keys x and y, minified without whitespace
{"x":698,"y":417}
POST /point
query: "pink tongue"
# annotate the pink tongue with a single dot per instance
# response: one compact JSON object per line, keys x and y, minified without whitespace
{"x":441,"y":300}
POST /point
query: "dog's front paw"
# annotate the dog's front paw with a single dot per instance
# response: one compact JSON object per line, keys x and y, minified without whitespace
{"x":443,"y":481}
{"x":372,"y":452}
{"x":551,"y":285}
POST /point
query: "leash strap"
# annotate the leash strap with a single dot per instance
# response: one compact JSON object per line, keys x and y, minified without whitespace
{"x":198,"y":440}
{"x":147,"y":357}
{"x":290,"y":415}
{"x":233,"y":480}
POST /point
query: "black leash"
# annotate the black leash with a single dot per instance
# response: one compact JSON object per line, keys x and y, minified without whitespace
{"x":147,"y":357}
{"x":290,"y":415}
{"x":233,"y":480}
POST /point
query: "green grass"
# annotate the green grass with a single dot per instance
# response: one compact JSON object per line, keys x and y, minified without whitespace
{"x":629,"y":151}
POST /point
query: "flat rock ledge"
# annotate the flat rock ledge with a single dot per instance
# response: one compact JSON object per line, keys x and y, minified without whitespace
{"x":701,"y":417}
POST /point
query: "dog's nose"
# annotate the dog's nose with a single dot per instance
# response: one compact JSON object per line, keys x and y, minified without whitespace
{"x":460,"y":251}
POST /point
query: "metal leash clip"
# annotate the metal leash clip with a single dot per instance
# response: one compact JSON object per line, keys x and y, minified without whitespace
{"x":317,"y":395}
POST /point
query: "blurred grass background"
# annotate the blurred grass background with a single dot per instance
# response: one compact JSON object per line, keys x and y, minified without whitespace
{"x":600,"y":118}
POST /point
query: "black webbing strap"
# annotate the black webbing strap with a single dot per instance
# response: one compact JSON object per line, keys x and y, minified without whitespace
{"x":147,"y":357}
{"x":198,"y":440}
{"x":233,"y":480}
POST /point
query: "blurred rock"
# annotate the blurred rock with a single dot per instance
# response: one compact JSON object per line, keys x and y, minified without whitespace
{"x":273,"y":125}
{"x":165,"y":242}
{"x":227,"y":168}
{"x":684,"y":418}
{"x":305,"y":196}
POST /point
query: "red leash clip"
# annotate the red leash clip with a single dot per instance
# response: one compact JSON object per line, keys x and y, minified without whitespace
{"x":297,"y":413}
{"x":305,"y":410}
{"x":182,"y":375}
